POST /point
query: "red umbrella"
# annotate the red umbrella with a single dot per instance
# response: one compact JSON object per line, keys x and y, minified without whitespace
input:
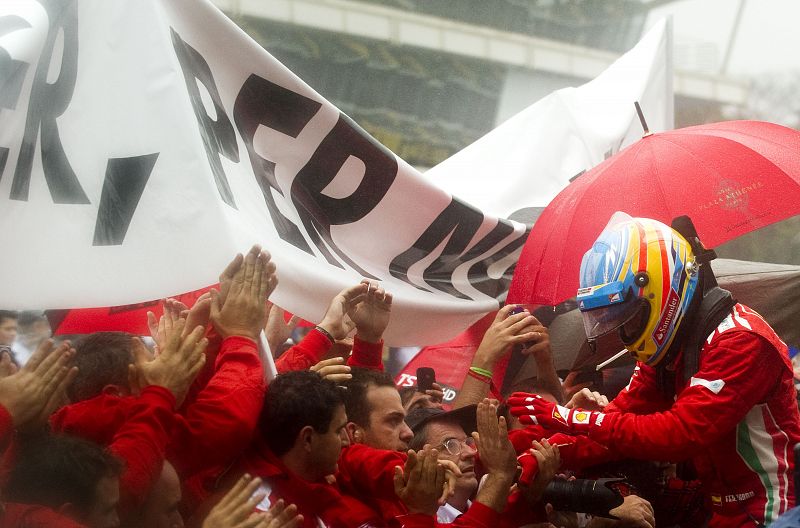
{"x":730,"y":178}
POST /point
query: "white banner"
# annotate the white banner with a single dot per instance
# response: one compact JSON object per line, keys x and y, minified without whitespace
{"x":144,"y":142}
{"x":517,"y":168}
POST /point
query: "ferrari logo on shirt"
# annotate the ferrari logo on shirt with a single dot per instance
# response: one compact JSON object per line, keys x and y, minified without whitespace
{"x":558,"y":417}
{"x":581,"y":417}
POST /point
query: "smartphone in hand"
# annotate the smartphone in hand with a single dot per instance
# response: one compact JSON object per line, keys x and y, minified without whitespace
{"x":426,"y":377}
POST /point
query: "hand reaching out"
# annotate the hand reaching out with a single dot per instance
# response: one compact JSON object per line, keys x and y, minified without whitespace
{"x":532,"y":409}
{"x":371,"y":315}
{"x":243,"y":310}
{"x":634,"y":512}
{"x":235,"y":510}
{"x":506,"y":330}
{"x":539,"y":466}
{"x":33,"y":392}
{"x":7,"y":365}
{"x":278,"y":330}
{"x":335,"y":321}
{"x":179,"y":362}
{"x":421,"y":482}
{"x":588,"y":400}
{"x":494,"y":448}
{"x":333,"y":369}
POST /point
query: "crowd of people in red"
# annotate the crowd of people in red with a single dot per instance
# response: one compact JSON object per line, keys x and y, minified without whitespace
{"x":105,"y":432}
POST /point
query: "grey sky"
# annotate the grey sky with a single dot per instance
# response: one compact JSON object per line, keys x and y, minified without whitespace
{"x":767,"y":40}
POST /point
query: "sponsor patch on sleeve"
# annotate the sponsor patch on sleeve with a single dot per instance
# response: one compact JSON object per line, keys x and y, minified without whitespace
{"x":714,"y":385}
{"x":581,"y":417}
{"x":558,"y":414}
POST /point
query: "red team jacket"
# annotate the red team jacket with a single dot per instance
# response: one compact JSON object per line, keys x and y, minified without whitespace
{"x":215,"y":426}
{"x":737,"y":418}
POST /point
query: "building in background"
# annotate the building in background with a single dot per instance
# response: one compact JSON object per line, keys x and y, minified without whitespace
{"x":427,"y":78}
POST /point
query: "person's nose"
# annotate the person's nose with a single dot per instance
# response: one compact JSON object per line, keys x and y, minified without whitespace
{"x":468,"y":451}
{"x":406,"y":434}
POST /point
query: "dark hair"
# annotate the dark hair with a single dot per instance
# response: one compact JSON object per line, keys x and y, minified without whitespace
{"x":406,"y":393}
{"x":102,"y":359}
{"x":420,"y":437}
{"x":52,"y":470}
{"x":295,"y":400}
{"x":355,"y":398}
{"x":8,"y":314}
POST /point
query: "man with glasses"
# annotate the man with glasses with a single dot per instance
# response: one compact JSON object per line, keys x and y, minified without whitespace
{"x":450,"y":433}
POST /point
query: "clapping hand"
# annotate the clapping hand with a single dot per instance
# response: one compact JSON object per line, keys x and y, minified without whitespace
{"x":33,"y":392}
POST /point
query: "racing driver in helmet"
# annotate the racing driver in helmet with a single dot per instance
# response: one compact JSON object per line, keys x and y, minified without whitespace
{"x":713,"y":382}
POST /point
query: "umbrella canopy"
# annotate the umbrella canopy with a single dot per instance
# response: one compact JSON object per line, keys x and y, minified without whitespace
{"x":730,"y":178}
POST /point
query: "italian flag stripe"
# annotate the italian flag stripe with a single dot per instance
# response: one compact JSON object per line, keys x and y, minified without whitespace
{"x":765,"y":454}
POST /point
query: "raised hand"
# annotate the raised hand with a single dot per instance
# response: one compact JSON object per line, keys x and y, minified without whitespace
{"x":7,"y":365}
{"x":199,"y":314}
{"x":235,"y":510}
{"x":371,"y":315}
{"x":539,"y":466}
{"x":420,"y":483}
{"x":336,"y":321}
{"x":506,"y":330}
{"x":242,"y":311}
{"x":532,"y":409}
{"x":33,"y":392}
{"x":588,"y":400}
{"x":277,"y":328}
{"x":333,"y":369}
{"x":496,"y":452}
{"x":176,"y":366}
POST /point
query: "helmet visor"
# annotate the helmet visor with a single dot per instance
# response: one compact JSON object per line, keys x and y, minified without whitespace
{"x":606,"y":319}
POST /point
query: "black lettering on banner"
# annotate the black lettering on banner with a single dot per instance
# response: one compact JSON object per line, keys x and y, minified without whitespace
{"x":218,"y":134}
{"x":3,"y":159}
{"x":12,"y":74}
{"x":122,"y":188}
{"x":261,"y":102}
{"x":460,"y":221}
{"x":319,"y":211}
{"x":47,"y":102}
{"x":478,"y":273}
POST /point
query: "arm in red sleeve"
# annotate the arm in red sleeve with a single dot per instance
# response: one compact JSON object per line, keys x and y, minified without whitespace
{"x":6,"y":428}
{"x":366,"y":354}
{"x":305,"y":354}
{"x":731,"y":380}
{"x":369,"y":471}
{"x":641,"y":395}
{"x":141,"y":442}
{"x":220,"y":423}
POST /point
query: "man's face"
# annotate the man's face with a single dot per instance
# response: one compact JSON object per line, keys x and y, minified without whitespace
{"x":161,"y":508}
{"x":8,"y":331}
{"x":420,"y":400}
{"x":439,"y":432}
{"x":104,"y":510}
{"x":326,"y":447}
{"x":387,"y":428}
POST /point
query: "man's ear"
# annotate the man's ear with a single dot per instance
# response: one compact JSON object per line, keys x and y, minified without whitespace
{"x":354,"y":432}
{"x":306,"y":437}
